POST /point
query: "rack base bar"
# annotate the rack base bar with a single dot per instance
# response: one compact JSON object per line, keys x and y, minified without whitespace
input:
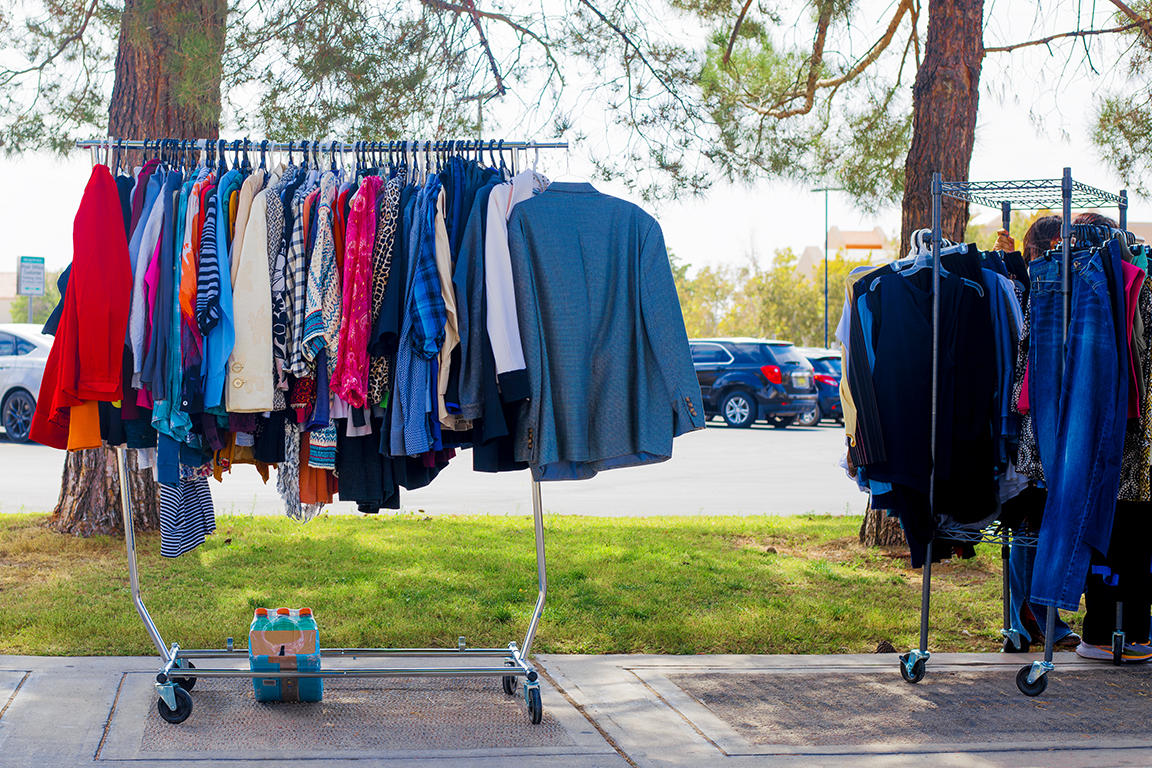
{"x":352,"y":653}
{"x":366,"y":672}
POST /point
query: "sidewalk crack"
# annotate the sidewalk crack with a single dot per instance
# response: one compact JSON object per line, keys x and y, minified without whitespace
{"x":591,"y":721}
{"x":12,"y":698}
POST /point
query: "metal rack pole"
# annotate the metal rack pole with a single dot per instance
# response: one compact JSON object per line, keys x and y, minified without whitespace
{"x":1123,"y":209}
{"x":541,"y":569}
{"x":937,"y":194}
{"x":1005,"y":548}
{"x":130,"y":546}
{"x":321,"y":147}
{"x":1066,"y":264}
{"x":925,"y":599}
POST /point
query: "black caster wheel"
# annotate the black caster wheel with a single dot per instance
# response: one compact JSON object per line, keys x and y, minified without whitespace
{"x":183,"y":707}
{"x":1027,"y":688}
{"x":918,"y":670}
{"x":535,"y":708}
{"x":510,"y":684}
{"x":187,"y":683}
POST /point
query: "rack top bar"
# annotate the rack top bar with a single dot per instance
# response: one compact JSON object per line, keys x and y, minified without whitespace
{"x":328,"y":146}
{"x":1029,"y":195}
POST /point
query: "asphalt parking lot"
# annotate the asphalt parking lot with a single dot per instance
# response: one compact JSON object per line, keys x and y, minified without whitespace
{"x":716,"y":471}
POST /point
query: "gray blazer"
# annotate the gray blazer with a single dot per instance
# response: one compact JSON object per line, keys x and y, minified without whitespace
{"x":609,"y":368}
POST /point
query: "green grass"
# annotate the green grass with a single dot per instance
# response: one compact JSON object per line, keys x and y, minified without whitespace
{"x":616,"y":585}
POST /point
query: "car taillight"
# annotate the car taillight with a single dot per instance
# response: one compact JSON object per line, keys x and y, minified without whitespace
{"x":772,"y":373}
{"x":824,"y":378}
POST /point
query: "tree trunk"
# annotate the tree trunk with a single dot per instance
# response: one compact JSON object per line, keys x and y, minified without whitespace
{"x":168,"y":65}
{"x":944,"y":102}
{"x":89,"y":502}
{"x":168,"y":70}
{"x":879,"y":530}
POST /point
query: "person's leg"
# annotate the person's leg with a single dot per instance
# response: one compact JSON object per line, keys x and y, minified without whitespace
{"x":1019,"y":578}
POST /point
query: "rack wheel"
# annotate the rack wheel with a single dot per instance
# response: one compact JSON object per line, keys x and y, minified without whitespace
{"x":510,"y":684}
{"x":918,"y":670}
{"x":187,"y":683}
{"x":183,"y":707}
{"x":535,"y":707}
{"x":1027,"y":688}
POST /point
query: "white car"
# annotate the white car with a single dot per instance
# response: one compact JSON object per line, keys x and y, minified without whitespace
{"x":23,"y":355}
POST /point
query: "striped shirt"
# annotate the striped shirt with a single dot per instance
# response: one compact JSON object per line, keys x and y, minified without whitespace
{"x":186,"y":516}
{"x":208,"y":276}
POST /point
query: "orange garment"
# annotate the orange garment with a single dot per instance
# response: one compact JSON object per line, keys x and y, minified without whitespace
{"x":233,"y":206}
{"x":317,"y":486}
{"x":232,"y":454}
{"x":84,"y":426}
{"x":190,"y":256}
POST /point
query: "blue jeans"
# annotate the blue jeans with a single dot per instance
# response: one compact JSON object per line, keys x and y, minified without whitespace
{"x":1079,"y":405}
{"x":1020,"y":567}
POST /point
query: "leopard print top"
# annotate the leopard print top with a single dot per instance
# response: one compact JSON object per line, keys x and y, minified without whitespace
{"x":378,"y":373}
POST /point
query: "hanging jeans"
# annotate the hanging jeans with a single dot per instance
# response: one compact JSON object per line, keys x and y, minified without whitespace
{"x":1078,"y":402}
{"x":1028,"y":504}
{"x":1020,"y":569}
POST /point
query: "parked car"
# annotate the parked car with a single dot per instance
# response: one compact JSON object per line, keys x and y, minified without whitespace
{"x":744,"y":380}
{"x":23,"y":355}
{"x":826,"y":364}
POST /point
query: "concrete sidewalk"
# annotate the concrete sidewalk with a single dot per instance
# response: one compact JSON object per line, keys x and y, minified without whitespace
{"x":612,"y":711}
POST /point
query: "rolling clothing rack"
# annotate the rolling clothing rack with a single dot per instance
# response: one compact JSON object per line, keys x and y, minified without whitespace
{"x":1063,"y":193}
{"x":178,"y":674}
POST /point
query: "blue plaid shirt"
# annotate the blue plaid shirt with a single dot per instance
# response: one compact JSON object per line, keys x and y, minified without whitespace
{"x":426,"y":305}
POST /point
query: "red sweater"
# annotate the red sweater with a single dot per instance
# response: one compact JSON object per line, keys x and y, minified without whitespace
{"x":86,"y":359}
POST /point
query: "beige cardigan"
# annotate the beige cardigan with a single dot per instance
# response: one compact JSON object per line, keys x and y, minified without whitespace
{"x":248,"y":388}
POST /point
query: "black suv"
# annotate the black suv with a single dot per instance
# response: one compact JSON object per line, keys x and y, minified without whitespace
{"x":743,"y":380}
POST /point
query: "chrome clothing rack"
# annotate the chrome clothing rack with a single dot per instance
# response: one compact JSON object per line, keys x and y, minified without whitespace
{"x":178,"y":675}
{"x":1060,"y":193}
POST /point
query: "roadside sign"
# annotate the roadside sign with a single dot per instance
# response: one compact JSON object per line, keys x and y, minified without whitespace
{"x":30,"y":276}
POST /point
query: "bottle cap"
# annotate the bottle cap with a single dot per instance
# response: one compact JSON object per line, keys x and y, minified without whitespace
{"x":305,"y":611}
{"x":261,"y":611}
{"x":283,"y":611}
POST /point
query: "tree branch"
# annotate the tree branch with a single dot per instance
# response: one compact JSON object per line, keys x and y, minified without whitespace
{"x":13,"y":74}
{"x":475,"y":14}
{"x":629,"y":42}
{"x":443,"y":5}
{"x":814,"y":84}
{"x":1140,"y":20}
{"x":1062,"y":35}
{"x":735,"y":30}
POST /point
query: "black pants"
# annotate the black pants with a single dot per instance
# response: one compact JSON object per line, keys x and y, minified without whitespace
{"x":1127,"y":564}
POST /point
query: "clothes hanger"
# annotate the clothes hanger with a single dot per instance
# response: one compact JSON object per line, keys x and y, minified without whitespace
{"x":503,"y":168}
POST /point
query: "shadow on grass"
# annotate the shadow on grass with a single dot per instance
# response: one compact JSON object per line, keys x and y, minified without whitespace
{"x":616,"y":585}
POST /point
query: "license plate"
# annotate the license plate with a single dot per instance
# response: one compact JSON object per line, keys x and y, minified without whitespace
{"x":800,"y":379}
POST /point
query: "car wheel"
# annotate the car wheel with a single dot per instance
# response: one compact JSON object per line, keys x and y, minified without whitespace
{"x":738,"y":409}
{"x":17,"y":416}
{"x":780,"y":422}
{"x":810,"y":419}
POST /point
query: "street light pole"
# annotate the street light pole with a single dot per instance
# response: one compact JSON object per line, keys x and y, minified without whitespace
{"x":826,"y":190}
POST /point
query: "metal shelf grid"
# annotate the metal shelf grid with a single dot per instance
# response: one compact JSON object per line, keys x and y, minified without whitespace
{"x":1030,"y":195}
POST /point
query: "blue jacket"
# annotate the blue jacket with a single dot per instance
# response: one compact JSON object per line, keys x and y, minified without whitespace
{"x":607,"y":356}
